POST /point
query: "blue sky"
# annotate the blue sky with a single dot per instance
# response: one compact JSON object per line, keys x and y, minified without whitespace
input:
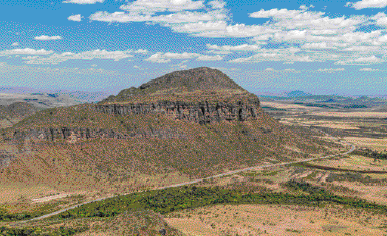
{"x":267,"y":46}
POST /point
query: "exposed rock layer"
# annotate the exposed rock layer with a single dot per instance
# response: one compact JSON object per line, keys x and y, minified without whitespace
{"x":199,"y":113}
{"x":74,"y":134}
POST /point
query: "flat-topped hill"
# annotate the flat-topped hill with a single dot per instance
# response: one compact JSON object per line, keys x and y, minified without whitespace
{"x":193,"y":85}
{"x":129,"y":143}
{"x":202,"y":78}
{"x":202,"y":95}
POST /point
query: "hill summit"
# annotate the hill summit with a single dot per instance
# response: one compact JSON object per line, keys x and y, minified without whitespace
{"x":202,"y":95}
{"x":186,"y":83}
{"x":202,"y":78}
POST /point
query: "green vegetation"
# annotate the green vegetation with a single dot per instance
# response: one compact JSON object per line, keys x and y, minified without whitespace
{"x":371,"y":153}
{"x":6,"y":216}
{"x":37,"y":231}
{"x":305,"y":187}
{"x":174,"y":199}
{"x":354,"y":177}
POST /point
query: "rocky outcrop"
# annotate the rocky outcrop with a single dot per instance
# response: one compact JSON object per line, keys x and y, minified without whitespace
{"x":75,"y":134}
{"x":200,"y":113}
{"x":5,"y":159}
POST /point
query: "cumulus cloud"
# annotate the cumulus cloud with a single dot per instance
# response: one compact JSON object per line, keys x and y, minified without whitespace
{"x":87,"y":55}
{"x":46,"y":38}
{"x":77,"y":18}
{"x":167,"y":57}
{"x":368,"y":69}
{"x":318,"y":37}
{"x":25,"y":51}
{"x":158,"y":58}
{"x":281,"y":54}
{"x":15,"y":44}
{"x":209,"y":58}
{"x":380,"y":19}
{"x":141,"y":51}
{"x":83,"y":1}
{"x":367,"y":4}
{"x":361,"y":61}
{"x":243,"y":47}
{"x":217,"y":4}
{"x":147,"y":6}
{"x":330,"y":70}
{"x":282,"y":71}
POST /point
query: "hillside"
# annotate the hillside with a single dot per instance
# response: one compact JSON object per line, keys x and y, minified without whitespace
{"x":148,"y":137}
{"x":15,"y":112}
{"x":188,"y":85}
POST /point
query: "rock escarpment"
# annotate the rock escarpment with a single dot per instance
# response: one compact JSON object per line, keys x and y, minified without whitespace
{"x":75,"y":134}
{"x":202,"y":95}
{"x":199,"y":113}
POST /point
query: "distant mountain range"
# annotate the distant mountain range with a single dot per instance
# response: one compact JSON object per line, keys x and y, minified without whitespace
{"x":77,"y":96}
{"x":297,"y":93}
{"x":327,"y":101}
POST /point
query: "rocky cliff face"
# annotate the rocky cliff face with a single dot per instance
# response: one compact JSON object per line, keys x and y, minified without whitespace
{"x":74,"y":134}
{"x":201,"y":113}
{"x":5,"y":159}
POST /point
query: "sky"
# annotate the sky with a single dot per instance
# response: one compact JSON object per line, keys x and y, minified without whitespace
{"x":321,"y":47}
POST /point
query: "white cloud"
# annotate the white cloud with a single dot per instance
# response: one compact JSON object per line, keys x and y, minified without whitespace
{"x":25,"y":51}
{"x":15,"y":44}
{"x":243,"y":47}
{"x":83,"y":1}
{"x":87,"y":55}
{"x":368,"y":69}
{"x":360,"y":61}
{"x":170,"y":20}
{"x":281,"y":71}
{"x":209,"y":58}
{"x":158,"y":58}
{"x":217,"y":4}
{"x":330,"y":70}
{"x":46,"y":38}
{"x":322,"y":45}
{"x":148,"y":6}
{"x":30,"y":57}
{"x":219,"y":52}
{"x":167,"y":57}
{"x":291,"y":54}
{"x":367,"y":4}
{"x":184,"y":55}
{"x":77,"y":17}
{"x":316,"y":36}
{"x":381,"y":19}
{"x":141,"y":51}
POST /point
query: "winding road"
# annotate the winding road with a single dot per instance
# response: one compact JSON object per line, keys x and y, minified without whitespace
{"x":353,"y":148}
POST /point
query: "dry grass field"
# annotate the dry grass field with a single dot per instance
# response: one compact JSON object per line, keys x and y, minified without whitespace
{"x":372,"y":143}
{"x":276,"y":220}
{"x":361,"y":114}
